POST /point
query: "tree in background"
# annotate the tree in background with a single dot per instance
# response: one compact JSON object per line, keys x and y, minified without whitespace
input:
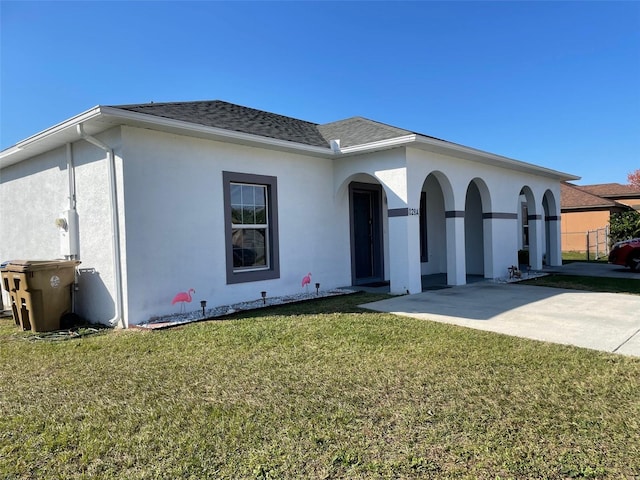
{"x":634,"y":178}
{"x":624,"y":225}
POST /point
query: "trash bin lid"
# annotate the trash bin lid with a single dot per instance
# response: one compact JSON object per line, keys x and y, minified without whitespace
{"x":33,"y":265}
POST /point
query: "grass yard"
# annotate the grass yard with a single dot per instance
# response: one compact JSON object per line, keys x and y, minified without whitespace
{"x":573,"y":256}
{"x":593,"y":284}
{"x":316,"y":390}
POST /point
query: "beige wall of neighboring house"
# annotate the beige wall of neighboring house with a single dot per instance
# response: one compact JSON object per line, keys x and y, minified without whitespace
{"x":576,"y":224}
{"x":588,"y":208}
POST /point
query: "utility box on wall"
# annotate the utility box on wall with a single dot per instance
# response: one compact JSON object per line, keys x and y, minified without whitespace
{"x":67,"y":224}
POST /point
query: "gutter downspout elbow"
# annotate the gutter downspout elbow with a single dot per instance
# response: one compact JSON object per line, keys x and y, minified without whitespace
{"x":115,"y":227}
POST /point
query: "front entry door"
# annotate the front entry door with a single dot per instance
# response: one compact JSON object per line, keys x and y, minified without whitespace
{"x":366,"y":233}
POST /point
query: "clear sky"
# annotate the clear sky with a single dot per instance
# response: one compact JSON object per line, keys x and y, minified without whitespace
{"x":552,"y":83}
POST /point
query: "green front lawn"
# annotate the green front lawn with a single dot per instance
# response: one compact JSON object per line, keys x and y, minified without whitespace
{"x":593,"y":284}
{"x":316,"y":390}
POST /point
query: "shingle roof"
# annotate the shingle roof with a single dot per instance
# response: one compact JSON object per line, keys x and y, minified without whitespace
{"x":228,"y":116}
{"x":611,"y":190}
{"x":358,"y":130}
{"x":573,"y":196}
{"x":233,"y":117}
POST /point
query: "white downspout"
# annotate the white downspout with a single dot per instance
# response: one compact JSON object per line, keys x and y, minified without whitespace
{"x":71,"y":169}
{"x":115,"y":227}
{"x":73,"y":225}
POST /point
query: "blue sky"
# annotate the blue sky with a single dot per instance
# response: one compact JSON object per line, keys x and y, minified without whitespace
{"x":551,"y":83}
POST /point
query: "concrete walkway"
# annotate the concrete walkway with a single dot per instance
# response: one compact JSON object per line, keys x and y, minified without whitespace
{"x":608,"y":322}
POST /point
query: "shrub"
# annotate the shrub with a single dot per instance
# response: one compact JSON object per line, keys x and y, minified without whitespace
{"x":624,"y":225}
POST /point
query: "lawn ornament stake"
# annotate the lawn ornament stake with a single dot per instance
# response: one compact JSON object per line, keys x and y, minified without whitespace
{"x":306,"y":280}
{"x":182,"y":298}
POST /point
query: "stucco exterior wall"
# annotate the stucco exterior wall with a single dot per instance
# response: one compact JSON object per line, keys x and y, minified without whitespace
{"x":175,"y":241}
{"x":33,"y":194}
{"x":96,"y":296}
{"x":172,"y":228}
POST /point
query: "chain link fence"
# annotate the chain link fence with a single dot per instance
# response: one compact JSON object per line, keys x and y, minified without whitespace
{"x":592,"y":245}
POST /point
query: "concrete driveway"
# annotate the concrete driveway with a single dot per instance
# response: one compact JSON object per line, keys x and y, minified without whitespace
{"x":594,"y":269}
{"x":608,"y":322}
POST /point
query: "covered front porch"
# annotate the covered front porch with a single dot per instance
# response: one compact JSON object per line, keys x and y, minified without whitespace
{"x":419,"y":222}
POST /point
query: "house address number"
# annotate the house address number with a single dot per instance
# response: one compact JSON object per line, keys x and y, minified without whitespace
{"x":413,"y":211}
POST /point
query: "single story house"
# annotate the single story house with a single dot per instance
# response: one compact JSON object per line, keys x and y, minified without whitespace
{"x":628,"y":195}
{"x":231,"y":201}
{"x":588,"y":208}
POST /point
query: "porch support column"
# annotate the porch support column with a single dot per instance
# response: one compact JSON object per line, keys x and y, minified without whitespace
{"x":554,"y":255}
{"x":456,"y":255}
{"x":536,"y":241}
{"x":404,"y":251}
{"x":499,"y":228}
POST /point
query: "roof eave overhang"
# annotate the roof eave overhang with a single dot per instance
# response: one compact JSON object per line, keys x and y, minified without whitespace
{"x":213,"y":133}
{"x":589,"y":208}
{"x":101,"y":118}
{"x":459,"y":151}
{"x":474,"y":155}
{"x":379,"y":145}
{"x":48,"y":139}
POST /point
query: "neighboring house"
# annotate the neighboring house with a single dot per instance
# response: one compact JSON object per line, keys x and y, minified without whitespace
{"x":587,"y":208}
{"x":624,"y":194}
{"x":232,"y":201}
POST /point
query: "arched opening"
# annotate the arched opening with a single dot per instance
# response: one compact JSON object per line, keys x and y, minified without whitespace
{"x":368,"y":230}
{"x":474,"y":234}
{"x":436,"y":193}
{"x":529,"y":254}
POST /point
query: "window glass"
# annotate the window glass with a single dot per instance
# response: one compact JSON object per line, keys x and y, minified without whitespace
{"x":251,"y":227}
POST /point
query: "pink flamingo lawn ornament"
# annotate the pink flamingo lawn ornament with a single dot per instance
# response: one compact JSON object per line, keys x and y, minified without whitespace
{"x":183,"y":297}
{"x":306,"y":280}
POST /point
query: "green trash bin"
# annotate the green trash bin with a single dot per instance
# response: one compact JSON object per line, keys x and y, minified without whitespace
{"x":40,"y":291}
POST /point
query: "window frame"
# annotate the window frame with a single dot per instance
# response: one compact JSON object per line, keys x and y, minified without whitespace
{"x":525,"y":225}
{"x":255,"y":274}
{"x":424,"y":242}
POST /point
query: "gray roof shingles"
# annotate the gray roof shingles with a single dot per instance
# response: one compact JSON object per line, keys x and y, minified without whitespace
{"x":228,"y":116}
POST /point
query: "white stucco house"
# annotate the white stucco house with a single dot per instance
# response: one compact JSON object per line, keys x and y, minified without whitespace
{"x":231,"y":201}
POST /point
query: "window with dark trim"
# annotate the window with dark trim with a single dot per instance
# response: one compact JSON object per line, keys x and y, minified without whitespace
{"x":251,"y":227}
{"x":424,"y":245}
{"x":525,"y":226}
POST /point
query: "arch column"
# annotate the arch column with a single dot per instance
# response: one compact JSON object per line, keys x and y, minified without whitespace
{"x":404,"y":251}
{"x":555,"y":247}
{"x":404,"y":231}
{"x":456,"y":255}
{"x":499,"y":239}
{"x":536,"y":241}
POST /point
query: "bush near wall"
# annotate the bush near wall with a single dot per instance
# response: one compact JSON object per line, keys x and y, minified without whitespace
{"x":624,"y":225}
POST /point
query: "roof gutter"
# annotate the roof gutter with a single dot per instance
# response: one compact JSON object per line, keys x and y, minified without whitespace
{"x":70,"y":123}
{"x":205,"y":130}
{"x":117,"y":319}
